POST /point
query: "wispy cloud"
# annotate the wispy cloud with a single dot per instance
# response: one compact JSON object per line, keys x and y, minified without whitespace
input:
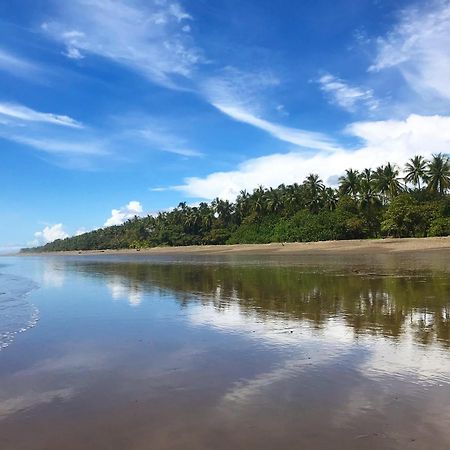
{"x":382,"y":141}
{"x":232,"y":86}
{"x":346,"y":96}
{"x":61,"y":147}
{"x":146,"y":36}
{"x":301,"y":138}
{"x":152,"y":38}
{"x":23,"y":113}
{"x":166,"y":142}
{"x":242,"y":96}
{"x":17,"y":65}
{"x":419,"y":47}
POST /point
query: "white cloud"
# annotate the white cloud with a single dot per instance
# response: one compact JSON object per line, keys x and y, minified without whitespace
{"x":121,"y":215}
{"x":16,"y":65}
{"x":52,"y":232}
{"x":346,"y":96}
{"x":49,"y":234}
{"x":54,"y":146}
{"x":80,"y":231}
{"x":166,"y":142}
{"x":383,"y":141}
{"x":419,"y":47}
{"x":20,"y":112}
{"x":282,"y":110}
{"x":240,"y":95}
{"x":146,"y":36}
{"x":296,"y":136}
{"x":73,"y":53}
{"x":231,"y":86}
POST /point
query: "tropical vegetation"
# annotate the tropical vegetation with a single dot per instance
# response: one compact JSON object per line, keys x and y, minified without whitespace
{"x":387,"y":201}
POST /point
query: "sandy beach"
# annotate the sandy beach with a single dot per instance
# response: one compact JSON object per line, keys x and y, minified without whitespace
{"x":348,"y":246}
{"x":216,"y":346}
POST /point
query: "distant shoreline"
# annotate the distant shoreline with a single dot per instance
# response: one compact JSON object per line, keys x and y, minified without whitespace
{"x":391,"y":245}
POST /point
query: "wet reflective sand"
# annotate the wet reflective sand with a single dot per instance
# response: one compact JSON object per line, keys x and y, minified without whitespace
{"x":231,"y":352}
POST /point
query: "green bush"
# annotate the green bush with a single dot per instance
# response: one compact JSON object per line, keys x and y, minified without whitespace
{"x":406,"y":217}
{"x":440,"y":227}
{"x":256,"y":232}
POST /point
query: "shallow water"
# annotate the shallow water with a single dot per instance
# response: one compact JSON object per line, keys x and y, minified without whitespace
{"x":17,"y":314}
{"x":227,"y":352}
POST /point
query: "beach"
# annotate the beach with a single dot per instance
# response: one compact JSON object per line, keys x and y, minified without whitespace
{"x":343,"y":343}
{"x":355,"y":246}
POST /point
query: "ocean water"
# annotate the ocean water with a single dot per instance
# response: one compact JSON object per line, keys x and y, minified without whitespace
{"x":17,"y":312}
{"x":226,"y":352}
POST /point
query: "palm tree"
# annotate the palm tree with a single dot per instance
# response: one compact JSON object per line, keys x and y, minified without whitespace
{"x":242,"y":205}
{"x":349,"y":183}
{"x":273,"y":200}
{"x":369,"y":200}
{"x":314,"y":187}
{"x":438,"y":173}
{"x":259,"y":201}
{"x":369,"y":197}
{"x":416,"y":170}
{"x":314,"y":184}
{"x":387,"y":181}
{"x":330,"y":198}
{"x":367,"y":176}
{"x":393,"y":181}
{"x":224,"y":210}
{"x":293,"y":198}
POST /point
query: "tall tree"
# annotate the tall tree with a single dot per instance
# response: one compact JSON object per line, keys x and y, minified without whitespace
{"x":330,"y":198}
{"x":416,"y":170}
{"x":314,"y":188}
{"x":387,"y":181}
{"x":274,"y":200}
{"x":349,"y":183}
{"x":438,"y":173}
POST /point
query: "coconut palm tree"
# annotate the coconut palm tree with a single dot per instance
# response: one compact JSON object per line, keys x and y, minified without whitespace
{"x":314,"y":184}
{"x":314,"y":187}
{"x":367,"y":175}
{"x":330,"y":198}
{"x":438,"y":173}
{"x":273,"y":200}
{"x":259,"y":201}
{"x":392,"y":176}
{"x":368,"y":197}
{"x":224,"y":210}
{"x":387,"y":181}
{"x":294,"y":198}
{"x":349,"y":183}
{"x":416,"y":170}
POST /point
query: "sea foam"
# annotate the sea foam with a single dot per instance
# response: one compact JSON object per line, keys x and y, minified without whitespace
{"x":17,"y":313}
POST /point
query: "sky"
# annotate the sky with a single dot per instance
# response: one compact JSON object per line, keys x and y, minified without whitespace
{"x":116,"y":108}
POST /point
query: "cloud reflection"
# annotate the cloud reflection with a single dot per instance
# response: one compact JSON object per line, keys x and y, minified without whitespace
{"x":121,"y":289}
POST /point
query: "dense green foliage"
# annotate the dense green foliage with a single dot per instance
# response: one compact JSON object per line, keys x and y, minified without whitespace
{"x":367,"y":204}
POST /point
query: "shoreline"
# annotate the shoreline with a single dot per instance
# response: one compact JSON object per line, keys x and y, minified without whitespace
{"x":389,"y":245}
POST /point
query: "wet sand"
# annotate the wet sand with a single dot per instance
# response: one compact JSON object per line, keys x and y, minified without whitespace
{"x":252,"y":349}
{"x":356,"y":246}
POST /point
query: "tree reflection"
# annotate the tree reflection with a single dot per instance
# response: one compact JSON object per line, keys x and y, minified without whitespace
{"x":368,"y":303}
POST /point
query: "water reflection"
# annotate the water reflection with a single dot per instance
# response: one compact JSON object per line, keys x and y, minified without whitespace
{"x":262,"y":354}
{"x":399,"y":325}
{"x":121,"y":288}
{"x":52,"y":273}
{"x":415,"y":306}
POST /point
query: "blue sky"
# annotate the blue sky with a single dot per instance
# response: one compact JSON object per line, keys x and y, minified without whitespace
{"x":110,"y":108}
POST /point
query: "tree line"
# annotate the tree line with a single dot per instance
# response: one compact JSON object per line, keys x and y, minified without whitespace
{"x":366,"y":204}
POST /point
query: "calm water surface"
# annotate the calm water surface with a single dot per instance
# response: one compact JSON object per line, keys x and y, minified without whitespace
{"x":225,"y":352}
